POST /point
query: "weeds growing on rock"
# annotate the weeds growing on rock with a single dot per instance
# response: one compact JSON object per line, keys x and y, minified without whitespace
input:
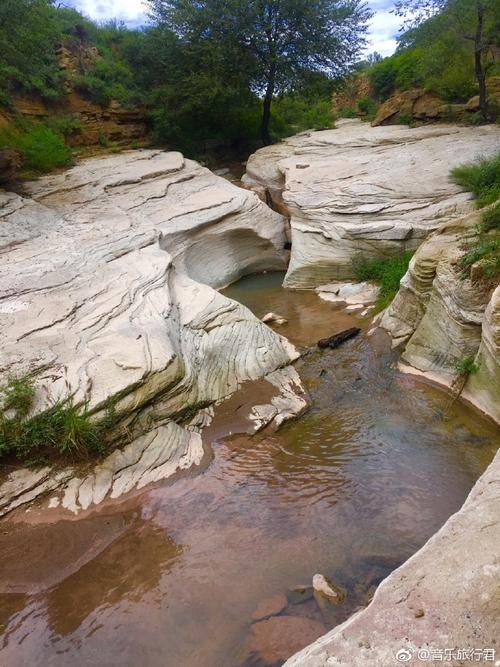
{"x":482,"y":178}
{"x":466,"y":366}
{"x":63,"y":430}
{"x":481,"y":259}
{"x":386,"y":272}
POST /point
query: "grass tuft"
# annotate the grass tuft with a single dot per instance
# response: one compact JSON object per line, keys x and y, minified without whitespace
{"x":466,"y":366}
{"x":481,"y":259}
{"x":482,"y":178}
{"x":385,"y":272}
{"x":43,"y":148}
{"x":63,"y":431}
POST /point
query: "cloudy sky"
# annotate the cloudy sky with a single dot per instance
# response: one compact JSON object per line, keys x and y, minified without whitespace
{"x":383,"y":30}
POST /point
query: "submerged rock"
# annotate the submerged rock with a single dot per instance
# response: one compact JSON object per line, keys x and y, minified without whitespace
{"x":270,"y":607}
{"x":273,"y":318}
{"x":325,"y":587}
{"x":273,"y":640}
{"x":453,"y":579}
{"x":367,"y":192}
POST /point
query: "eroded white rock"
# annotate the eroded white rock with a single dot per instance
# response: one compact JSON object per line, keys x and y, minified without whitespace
{"x":106,"y":287}
{"x":359,"y":191}
{"x":274,"y":318}
{"x":290,"y":403}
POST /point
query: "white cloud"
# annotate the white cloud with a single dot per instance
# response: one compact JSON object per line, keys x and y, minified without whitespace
{"x":384,"y":28}
{"x":130,"y":11}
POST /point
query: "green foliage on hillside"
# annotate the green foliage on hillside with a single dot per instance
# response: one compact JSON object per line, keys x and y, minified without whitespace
{"x":200,"y":92}
{"x":42,"y":147}
{"x":386,"y":272}
{"x":438,"y":54}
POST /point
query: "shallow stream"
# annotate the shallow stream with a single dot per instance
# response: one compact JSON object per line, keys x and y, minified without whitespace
{"x":175,"y":576}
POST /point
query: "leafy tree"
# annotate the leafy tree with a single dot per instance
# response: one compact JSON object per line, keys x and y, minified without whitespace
{"x":476,"y":21}
{"x":268,"y":44}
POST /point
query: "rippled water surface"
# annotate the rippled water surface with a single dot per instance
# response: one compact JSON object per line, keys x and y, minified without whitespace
{"x":174,"y":576}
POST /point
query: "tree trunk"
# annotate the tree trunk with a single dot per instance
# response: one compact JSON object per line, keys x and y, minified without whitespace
{"x":478,"y":61}
{"x":266,"y":110}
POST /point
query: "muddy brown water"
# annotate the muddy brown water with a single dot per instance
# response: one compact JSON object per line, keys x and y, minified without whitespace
{"x":174,"y":575}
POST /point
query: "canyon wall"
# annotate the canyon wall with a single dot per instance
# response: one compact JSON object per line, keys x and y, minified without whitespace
{"x":440,"y":316}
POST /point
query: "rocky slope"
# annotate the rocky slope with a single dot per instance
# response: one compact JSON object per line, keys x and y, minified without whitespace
{"x":358,"y":191}
{"x":106,"y":288}
{"x":441,"y":317}
{"x":93,"y":124}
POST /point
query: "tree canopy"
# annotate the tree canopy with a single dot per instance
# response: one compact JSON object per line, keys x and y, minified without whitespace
{"x":267,"y":45}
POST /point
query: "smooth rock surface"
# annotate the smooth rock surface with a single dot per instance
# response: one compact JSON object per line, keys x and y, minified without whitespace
{"x":445,"y":596}
{"x":106,"y":288}
{"x":271,"y":606}
{"x":362,"y":192}
{"x":351,"y":294}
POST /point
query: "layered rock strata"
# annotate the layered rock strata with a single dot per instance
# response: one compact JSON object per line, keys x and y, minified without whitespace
{"x":107,"y":291}
{"x":442,"y":317}
{"x":358,"y":192}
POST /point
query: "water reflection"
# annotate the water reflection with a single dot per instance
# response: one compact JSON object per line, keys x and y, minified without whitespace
{"x":350,"y":490}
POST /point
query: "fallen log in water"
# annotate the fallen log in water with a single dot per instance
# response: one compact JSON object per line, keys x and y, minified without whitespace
{"x":339,"y":338}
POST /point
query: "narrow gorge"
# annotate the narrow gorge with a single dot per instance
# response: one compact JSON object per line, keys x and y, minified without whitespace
{"x":242,"y":460}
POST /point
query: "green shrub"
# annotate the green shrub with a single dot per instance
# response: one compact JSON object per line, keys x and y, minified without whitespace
{"x":367,"y":107}
{"x":93,"y":89}
{"x":466,"y":366}
{"x":490,"y":218}
{"x":294,"y":113}
{"x":386,"y":272}
{"x":61,"y":431}
{"x":102,"y":139}
{"x":382,"y":78}
{"x":43,"y":149}
{"x":347,"y":112}
{"x":482,"y":178}
{"x":65,"y":125}
{"x":405,"y":119}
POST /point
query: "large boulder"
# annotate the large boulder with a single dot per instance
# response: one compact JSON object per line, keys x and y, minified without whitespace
{"x":359,"y":192}
{"x":107,"y":290}
{"x":418,"y":103}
